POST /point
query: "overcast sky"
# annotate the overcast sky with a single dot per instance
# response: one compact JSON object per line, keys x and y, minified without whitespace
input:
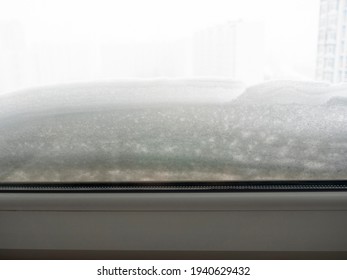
{"x":290,"y":25}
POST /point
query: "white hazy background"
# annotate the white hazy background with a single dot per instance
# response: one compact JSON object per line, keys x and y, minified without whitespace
{"x":47,"y":41}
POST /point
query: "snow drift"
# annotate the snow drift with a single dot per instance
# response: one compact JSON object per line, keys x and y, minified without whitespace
{"x":136,"y":132}
{"x":292,"y":92}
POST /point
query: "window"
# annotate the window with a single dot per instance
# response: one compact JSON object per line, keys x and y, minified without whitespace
{"x":331,"y":49}
{"x":171,"y":90}
{"x":341,"y":61}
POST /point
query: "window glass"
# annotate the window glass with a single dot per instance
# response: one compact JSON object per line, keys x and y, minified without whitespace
{"x":161,"y":90}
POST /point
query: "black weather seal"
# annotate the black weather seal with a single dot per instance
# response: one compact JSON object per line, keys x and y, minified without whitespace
{"x":223,"y":186}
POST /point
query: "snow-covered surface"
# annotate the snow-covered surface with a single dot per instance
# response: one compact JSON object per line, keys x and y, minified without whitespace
{"x":337,"y":101}
{"x":292,"y":92}
{"x":133,"y":138}
{"x":88,"y":96}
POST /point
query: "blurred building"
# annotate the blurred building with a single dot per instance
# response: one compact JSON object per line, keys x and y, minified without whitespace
{"x":233,"y":50}
{"x":331,"y":65}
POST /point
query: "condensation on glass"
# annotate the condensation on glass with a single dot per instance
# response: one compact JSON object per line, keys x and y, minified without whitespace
{"x":161,"y":90}
{"x":174,"y":130}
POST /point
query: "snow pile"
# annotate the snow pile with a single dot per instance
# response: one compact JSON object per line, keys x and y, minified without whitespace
{"x":181,"y":142}
{"x":337,"y":101}
{"x":171,"y":141}
{"x":291,"y":92}
{"x":87,"y":96}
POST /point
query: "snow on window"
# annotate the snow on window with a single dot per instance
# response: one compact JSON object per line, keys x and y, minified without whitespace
{"x":124,"y":132}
